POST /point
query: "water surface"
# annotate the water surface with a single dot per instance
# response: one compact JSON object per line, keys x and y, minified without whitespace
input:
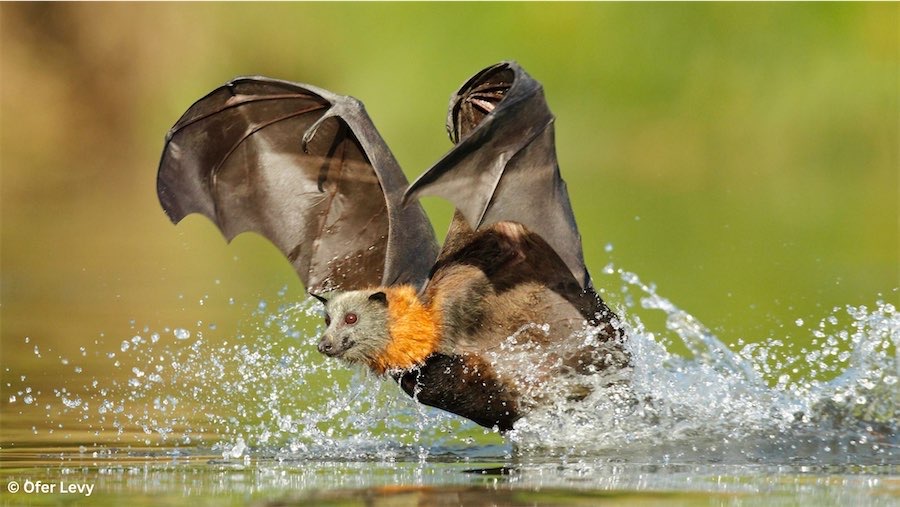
{"x":254,"y":414}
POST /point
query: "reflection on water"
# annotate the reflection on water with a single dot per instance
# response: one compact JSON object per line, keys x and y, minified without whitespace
{"x":168,"y":476}
{"x":260,"y":412}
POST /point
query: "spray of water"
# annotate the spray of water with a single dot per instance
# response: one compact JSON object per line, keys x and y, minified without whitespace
{"x":265,"y":392}
{"x":737,"y":406}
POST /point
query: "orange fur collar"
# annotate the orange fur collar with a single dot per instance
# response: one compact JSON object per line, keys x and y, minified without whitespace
{"x":415,"y":331}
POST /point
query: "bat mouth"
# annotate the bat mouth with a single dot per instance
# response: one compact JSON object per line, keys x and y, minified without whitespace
{"x":333,"y":348}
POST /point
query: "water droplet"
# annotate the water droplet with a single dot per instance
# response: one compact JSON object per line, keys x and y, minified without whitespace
{"x":182,"y":333}
{"x":72,"y":403}
{"x":238,"y":450}
{"x":799,"y":322}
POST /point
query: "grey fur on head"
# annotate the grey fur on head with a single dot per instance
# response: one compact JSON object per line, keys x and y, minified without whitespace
{"x":359,"y":341}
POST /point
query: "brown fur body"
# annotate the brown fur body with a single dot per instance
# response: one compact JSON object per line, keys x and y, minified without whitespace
{"x":500,"y":327}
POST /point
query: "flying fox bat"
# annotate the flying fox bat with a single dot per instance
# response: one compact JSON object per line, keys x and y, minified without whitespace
{"x":501,"y":319}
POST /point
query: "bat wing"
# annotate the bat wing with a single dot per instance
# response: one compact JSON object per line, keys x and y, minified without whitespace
{"x":504,"y":167}
{"x":304,"y":168}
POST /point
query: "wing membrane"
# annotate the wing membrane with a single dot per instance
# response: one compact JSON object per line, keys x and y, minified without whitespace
{"x":504,"y":167}
{"x":307,"y":170}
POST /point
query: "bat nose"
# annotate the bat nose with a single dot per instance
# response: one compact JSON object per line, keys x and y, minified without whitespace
{"x":326,"y":346}
{"x":335,"y":346}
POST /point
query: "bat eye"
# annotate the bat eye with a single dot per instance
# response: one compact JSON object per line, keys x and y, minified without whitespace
{"x":350,"y":318}
{"x":327,"y":319}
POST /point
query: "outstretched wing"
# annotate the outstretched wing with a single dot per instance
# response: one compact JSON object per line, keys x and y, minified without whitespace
{"x":304,"y":168}
{"x":510,"y":280}
{"x":503,"y":167}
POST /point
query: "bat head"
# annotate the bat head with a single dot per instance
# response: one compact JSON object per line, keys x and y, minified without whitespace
{"x":356,"y":325}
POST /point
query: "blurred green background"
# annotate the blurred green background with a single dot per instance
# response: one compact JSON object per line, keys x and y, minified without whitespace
{"x":742,"y":157}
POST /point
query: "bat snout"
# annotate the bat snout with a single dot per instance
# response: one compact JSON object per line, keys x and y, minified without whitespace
{"x":334,"y":347}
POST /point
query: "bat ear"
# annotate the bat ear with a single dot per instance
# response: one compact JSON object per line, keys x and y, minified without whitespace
{"x":379,"y":296}
{"x":323,"y":297}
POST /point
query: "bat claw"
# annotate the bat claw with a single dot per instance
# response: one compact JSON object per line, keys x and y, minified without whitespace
{"x":311,"y":132}
{"x":342,"y":109}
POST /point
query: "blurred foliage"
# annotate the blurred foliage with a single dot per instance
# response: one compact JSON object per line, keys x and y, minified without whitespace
{"x":742,"y":157}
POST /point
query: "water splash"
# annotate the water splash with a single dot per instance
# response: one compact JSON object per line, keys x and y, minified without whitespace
{"x":263,"y":391}
{"x":721,"y":405}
